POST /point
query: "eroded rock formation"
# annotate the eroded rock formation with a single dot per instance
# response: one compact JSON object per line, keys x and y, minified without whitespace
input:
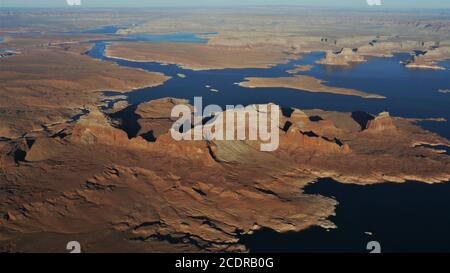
{"x":42,"y":85}
{"x":427,"y":59}
{"x":167,"y":195}
{"x":343,"y":56}
{"x":382,"y":123}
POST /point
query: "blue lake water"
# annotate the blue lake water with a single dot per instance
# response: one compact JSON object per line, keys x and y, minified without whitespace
{"x":186,"y":37}
{"x":402,"y":217}
{"x":102,"y":30}
{"x":443,"y":149}
{"x":410,"y":93}
{"x":172,"y":37}
{"x":112,"y":30}
{"x":409,"y":217}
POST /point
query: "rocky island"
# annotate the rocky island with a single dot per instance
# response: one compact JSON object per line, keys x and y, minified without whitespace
{"x":304,"y":83}
{"x":300,"y":68}
{"x":343,"y":56}
{"x":424,"y":60}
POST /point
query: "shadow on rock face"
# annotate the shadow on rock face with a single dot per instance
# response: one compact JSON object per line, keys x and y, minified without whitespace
{"x":128,"y":121}
{"x":149,"y":136}
{"x":362,"y":118}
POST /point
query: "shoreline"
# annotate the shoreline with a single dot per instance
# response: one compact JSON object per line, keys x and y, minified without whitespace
{"x":423,"y":66}
{"x":188,"y":67}
{"x":304,"y":83}
{"x":231,"y":58}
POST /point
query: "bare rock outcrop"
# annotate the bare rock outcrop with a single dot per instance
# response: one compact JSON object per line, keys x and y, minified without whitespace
{"x":382,"y":123}
{"x":298,"y":141}
{"x":427,"y":59}
{"x":168,"y":195}
{"x":41,"y":86}
{"x":95,"y":128}
{"x":343,"y":56}
{"x":155,"y":116}
{"x":44,"y":148}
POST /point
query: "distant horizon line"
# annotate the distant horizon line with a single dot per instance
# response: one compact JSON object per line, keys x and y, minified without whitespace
{"x":377,"y":8}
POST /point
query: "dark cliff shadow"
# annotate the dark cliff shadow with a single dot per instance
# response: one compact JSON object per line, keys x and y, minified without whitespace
{"x":287,"y":126}
{"x":19,"y":155}
{"x":315,"y":118}
{"x":287,"y":112}
{"x":149,"y":136}
{"x":362,"y":118}
{"x":127,"y":120}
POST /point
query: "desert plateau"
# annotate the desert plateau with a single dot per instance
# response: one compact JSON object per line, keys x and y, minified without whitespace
{"x":87,"y":151}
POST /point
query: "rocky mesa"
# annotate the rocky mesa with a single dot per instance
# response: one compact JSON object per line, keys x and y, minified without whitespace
{"x":165,"y":195}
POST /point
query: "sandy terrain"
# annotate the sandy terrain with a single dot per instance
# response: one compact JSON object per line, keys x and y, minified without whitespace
{"x":299,"y":29}
{"x":304,"y":83}
{"x":162,"y":195}
{"x":199,"y":56}
{"x":300,"y":68}
{"x":45,"y":85}
{"x":24,"y":41}
{"x":117,"y":181}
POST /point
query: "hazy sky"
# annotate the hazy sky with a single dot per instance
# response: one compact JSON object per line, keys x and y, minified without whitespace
{"x":153,"y":3}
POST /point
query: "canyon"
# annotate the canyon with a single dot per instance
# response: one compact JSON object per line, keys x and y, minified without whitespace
{"x":85,"y":154}
{"x":204,"y":194}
